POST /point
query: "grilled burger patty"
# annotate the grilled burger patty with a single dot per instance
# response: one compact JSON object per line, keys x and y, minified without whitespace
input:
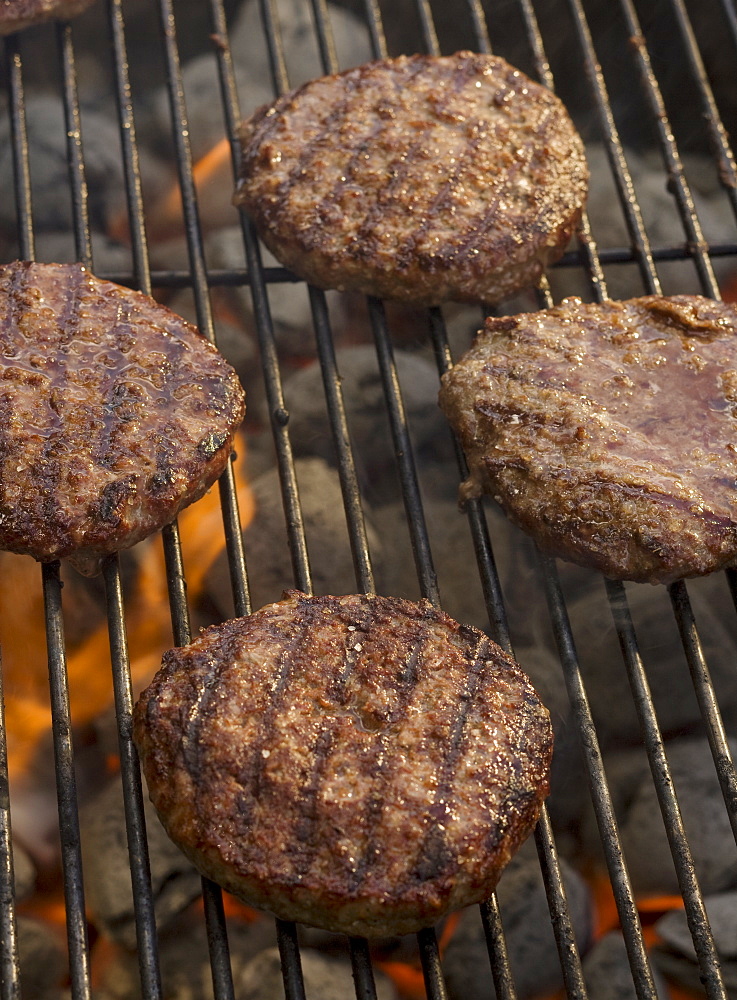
{"x":362,"y":764}
{"x":114,"y":414}
{"x":421,"y":178}
{"x":608,"y":432}
{"x":17,"y":14}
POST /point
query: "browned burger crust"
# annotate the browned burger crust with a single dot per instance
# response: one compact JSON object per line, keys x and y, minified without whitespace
{"x":114,"y":414}
{"x":17,"y":14}
{"x":362,"y":764}
{"x":423,"y":178}
{"x":608,"y":432}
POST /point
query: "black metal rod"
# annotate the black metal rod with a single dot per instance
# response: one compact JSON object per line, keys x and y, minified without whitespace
{"x":143,"y":906}
{"x":9,"y":957}
{"x":496,"y":946}
{"x":66,"y":787}
{"x":693,"y":901}
{"x":598,"y":788}
{"x":707,"y":699}
{"x":718,"y":135}
{"x":615,"y":151}
{"x":403,"y":451}
{"x":129,"y":149}
{"x":341,"y":440}
{"x":19,"y":139}
{"x":430,"y":960}
{"x":75,"y":157}
{"x":677,"y":183}
{"x":363,"y":975}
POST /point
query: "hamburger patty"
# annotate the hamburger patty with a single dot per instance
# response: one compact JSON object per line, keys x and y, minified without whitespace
{"x":421,"y":178}
{"x":17,"y":14}
{"x":362,"y":764}
{"x":608,"y":432}
{"x":114,"y":414}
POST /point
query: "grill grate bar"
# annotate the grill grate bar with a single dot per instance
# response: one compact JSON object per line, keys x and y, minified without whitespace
{"x":9,"y":956}
{"x":341,"y":440}
{"x":474,"y":510}
{"x":598,"y":787}
{"x":66,"y":786}
{"x":129,"y":150}
{"x":497,"y":948}
{"x":615,"y":152}
{"x":19,"y":136}
{"x":676,"y":178}
{"x":363,"y":974}
{"x":131,"y":781}
{"x":75,"y":158}
{"x":707,"y":700}
{"x":712,"y":120}
{"x":403,"y":450}
{"x":694,"y":904}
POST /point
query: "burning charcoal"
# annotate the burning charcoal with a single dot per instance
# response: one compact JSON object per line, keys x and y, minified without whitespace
{"x":49,"y":165}
{"x":608,"y":975}
{"x":175,"y":882}
{"x":533,"y":955}
{"x":324,"y":977}
{"x":366,"y":412}
{"x":253,"y":76}
{"x":675,"y":954}
{"x":24,"y":872}
{"x":184,"y":957}
{"x":704,"y":816}
{"x":289,"y":302}
{"x":662,"y":220}
{"x":267,"y":553}
{"x":42,"y":957}
{"x":296,"y":25}
{"x":660,"y":646}
{"x":254,"y":959}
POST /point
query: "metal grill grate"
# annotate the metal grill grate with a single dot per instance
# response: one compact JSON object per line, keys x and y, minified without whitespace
{"x":626,"y":79}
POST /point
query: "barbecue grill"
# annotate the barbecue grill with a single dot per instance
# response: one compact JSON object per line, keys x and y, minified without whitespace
{"x":647,"y":84}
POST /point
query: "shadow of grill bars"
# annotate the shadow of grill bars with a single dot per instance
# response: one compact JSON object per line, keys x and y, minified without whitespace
{"x":262,"y":281}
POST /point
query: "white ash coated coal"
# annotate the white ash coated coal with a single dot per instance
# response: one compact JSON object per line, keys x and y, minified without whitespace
{"x":641,"y":828}
{"x":253,"y":75}
{"x":324,"y":976}
{"x":267,"y":554}
{"x":533,"y":955}
{"x":184,"y":959}
{"x":50,"y":185}
{"x":608,"y":975}
{"x":675,"y":954}
{"x":366,"y":414}
{"x":663,"y":658}
{"x":42,"y":959}
{"x":174,"y":882}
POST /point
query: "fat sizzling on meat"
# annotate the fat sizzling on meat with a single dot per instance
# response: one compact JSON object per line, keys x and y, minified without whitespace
{"x":114,"y":414}
{"x":422,"y":178}
{"x":363,"y":764}
{"x":17,"y":14}
{"x":608,"y":431}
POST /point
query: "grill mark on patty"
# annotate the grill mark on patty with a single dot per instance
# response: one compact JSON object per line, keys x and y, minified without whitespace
{"x":435,"y":858}
{"x":469,"y":242}
{"x":205,"y":709}
{"x":306,"y":803}
{"x":465,"y":72}
{"x":405,"y":161}
{"x":50,"y":460}
{"x":310,"y":149}
{"x":105,"y":453}
{"x":383,"y":765}
{"x":251,"y":775}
